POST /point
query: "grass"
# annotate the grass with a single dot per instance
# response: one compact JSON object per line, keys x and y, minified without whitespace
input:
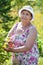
{"x":40,"y":61}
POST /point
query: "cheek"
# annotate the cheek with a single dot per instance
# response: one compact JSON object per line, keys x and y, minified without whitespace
{"x":21,"y":17}
{"x":29,"y":18}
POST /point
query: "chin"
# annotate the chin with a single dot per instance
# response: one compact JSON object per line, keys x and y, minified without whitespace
{"x":24,"y":20}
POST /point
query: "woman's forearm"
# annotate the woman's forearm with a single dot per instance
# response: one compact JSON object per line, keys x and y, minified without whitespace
{"x":11,"y":31}
{"x":20,"y":49}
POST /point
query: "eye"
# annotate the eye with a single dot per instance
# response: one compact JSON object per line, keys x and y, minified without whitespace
{"x":27,"y":14}
{"x":23,"y":13}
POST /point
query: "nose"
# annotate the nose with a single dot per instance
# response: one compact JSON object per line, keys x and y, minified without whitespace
{"x":24,"y":15}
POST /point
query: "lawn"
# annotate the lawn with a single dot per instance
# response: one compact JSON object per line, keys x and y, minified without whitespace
{"x":40,"y":61}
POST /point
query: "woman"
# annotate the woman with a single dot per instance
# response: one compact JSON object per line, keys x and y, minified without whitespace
{"x":24,"y":36}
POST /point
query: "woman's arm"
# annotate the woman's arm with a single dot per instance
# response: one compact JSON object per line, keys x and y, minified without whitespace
{"x":29,"y":42}
{"x":11,"y":32}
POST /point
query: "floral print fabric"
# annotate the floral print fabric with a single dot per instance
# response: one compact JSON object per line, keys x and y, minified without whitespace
{"x":26,"y":58}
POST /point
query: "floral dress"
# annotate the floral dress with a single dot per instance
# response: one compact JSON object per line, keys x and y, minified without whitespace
{"x":26,"y":58}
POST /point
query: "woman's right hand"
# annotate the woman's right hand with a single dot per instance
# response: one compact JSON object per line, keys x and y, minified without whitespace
{"x":11,"y":45}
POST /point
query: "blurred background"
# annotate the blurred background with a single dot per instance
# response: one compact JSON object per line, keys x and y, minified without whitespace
{"x":9,"y":16}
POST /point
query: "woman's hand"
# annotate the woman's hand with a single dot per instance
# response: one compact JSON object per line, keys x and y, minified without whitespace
{"x":8,"y":49}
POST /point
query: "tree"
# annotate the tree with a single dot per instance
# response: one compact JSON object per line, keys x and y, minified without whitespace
{"x":8,"y":17}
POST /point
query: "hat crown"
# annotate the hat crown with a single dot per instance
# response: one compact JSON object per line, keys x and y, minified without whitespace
{"x":28,"y":7}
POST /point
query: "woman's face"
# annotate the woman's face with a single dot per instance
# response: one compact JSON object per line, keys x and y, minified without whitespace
{"x":26,"y":16}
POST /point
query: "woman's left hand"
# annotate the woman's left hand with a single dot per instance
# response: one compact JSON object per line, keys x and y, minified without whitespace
{"x":8,"y":49}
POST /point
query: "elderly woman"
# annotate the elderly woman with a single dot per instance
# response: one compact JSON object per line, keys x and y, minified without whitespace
{"x":24,"y":36}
